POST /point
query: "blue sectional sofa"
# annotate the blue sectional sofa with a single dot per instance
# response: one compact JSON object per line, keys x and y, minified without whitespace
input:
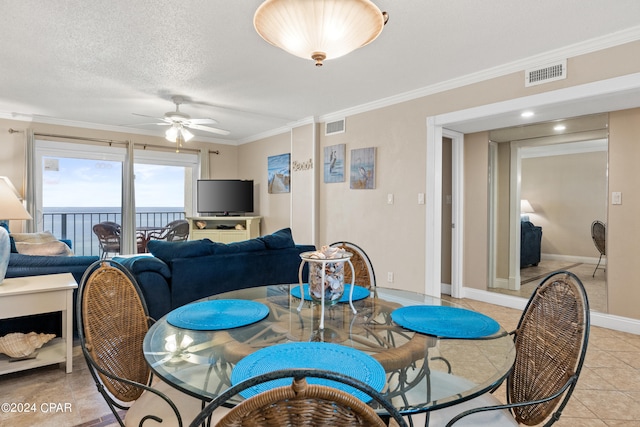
{"x":182,"y":272}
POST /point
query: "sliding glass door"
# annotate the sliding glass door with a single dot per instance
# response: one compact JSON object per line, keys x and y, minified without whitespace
{"x":81,"y":185}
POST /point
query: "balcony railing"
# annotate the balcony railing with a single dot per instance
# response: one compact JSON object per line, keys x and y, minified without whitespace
{"x":78,"y":226}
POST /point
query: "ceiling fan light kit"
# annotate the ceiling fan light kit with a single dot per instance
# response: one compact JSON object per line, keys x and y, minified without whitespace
{"x":319,"y":29}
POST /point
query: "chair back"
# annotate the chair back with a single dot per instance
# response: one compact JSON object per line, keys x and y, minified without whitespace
{"x":112,"y":322}
{"x":551,"y":343}
{"x":301,"y":403}
{"x":108,"y":234}
{"x":178,"y":230}
{"x":598,"y":231}
{"x":365,"y":276}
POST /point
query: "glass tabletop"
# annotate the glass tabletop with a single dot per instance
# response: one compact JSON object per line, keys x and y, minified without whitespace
{"x":423,"y":372}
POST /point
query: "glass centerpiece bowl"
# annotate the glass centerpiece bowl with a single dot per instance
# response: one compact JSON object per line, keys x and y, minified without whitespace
{"x":326,"y":276}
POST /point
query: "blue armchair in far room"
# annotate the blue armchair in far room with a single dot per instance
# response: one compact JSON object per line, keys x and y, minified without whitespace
{"x":530,"y":241}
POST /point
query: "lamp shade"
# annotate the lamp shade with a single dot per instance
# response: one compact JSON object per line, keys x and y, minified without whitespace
{"x":10,"y":205}
{"x":525,"y":207}
{"x":319,"y":29}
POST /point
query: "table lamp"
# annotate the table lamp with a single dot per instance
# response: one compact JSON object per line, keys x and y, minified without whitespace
{"x":525,"y":208}
{"x":10,"y":208}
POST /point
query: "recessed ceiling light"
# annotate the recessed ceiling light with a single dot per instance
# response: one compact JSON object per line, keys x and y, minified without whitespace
{"x":527,"y":114}
{"x":559,"y":128}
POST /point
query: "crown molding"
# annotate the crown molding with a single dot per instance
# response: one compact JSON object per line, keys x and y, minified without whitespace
{"x":278,"y":131}
{"x":577,"y":49}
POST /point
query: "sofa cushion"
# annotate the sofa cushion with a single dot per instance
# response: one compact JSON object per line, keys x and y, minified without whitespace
{"x":167,"y":251}
{"x":281,"y":239}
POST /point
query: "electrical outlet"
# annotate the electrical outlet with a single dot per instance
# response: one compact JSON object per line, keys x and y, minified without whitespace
{"x":390,"y":277}
{"x":390,"y":198}
{"x":421,"y":198}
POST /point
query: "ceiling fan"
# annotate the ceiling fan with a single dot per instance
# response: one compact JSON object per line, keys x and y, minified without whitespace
{"x":179,"y":123}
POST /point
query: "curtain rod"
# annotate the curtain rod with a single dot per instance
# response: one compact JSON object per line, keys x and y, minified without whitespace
{"x":81,"y":138}
{"x":111,"y":141}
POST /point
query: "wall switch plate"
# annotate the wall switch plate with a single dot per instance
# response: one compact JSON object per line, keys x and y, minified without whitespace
{"x":616,"y":198}
{"x":421,"y":198}
{"x":390,"y":199}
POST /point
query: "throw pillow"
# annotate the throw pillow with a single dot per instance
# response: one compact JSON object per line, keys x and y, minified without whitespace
{"x":167,"y":251}
{"x":55,"y":248}
{"x":41,"y":237}
{"x":281,"y":239}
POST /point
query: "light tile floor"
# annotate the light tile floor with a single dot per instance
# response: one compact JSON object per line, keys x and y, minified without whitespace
{"x":607,"y":394}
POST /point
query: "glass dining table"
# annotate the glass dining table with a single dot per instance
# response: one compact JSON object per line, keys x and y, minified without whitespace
{"x":422,"y":371}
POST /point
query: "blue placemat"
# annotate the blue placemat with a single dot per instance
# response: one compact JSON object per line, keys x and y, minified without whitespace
{"x":217,"y":314}
{"x":311,"y":355}
{"x":444,"y":321}
{"x":358,"y":292}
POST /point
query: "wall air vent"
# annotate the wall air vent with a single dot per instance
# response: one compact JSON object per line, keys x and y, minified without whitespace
{"x":331,"y":128}
{"x":546,"y":73}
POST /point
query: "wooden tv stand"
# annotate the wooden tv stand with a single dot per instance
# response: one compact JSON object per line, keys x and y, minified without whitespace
{"x":222,"y":228}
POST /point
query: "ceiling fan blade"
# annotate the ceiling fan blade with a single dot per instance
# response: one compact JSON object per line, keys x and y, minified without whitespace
{"x":152,"y":117}
{"x":208,"y":129}
{"x":203,"y":121}
{"x":149,"y":124}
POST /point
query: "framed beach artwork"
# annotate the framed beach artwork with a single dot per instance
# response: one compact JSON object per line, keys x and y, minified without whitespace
{"x":363,"y":168}
{"x":334,"y":163}
{"x":279,"y":170}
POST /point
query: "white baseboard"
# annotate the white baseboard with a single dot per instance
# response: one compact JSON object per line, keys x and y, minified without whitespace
{"x":604,"y":320}
{"x":499,"y":283}
{"x":573,"y":259}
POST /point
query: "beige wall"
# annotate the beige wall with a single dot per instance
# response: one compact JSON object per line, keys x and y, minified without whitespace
{"x":503,"y":229}
{"x":303,"y":183}
{"x":568,"y":193}
{"x":275,"y":209}
{"x":392,"y":234}
{"x":476,"y":193}
{"x":447,"y":211}
{"x":623,"y":232}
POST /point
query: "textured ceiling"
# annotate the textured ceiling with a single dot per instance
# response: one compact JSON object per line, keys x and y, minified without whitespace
{"x":97,"y":63}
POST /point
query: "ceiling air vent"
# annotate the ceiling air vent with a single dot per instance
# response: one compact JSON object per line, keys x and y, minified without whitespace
{"x":545,"y":74}
{"x":331,"y":128}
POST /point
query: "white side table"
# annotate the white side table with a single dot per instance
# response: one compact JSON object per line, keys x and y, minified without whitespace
{"x":23,"y":296}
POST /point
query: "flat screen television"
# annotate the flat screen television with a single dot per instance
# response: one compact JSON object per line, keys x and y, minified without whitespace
{"x":224,"y":197}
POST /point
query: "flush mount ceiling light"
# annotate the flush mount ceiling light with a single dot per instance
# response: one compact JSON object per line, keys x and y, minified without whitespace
{"x":319,"y":29}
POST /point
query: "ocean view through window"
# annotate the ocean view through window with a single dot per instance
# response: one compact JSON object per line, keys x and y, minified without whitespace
{"x":76,"y":223}
{"x":83,"y":188}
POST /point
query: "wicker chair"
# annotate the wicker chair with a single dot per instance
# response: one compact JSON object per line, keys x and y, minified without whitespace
{"x":301,"y":404}
{"x":112,"y":322}
{"x":175,"y":231}
{"x":598,"y":234}
{"x":551,"y":342}
{"x":108,"y":234}
{"x":365,"y":276}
